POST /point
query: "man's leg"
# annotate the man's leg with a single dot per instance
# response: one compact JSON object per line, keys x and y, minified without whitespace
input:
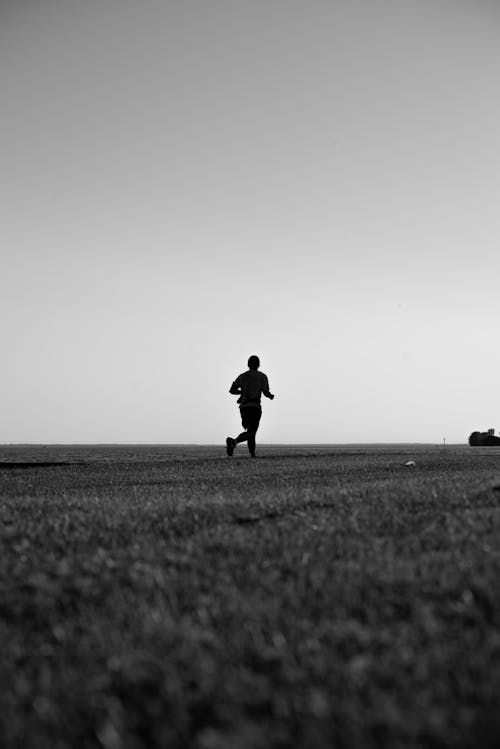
{"x":243,"y":437}
{"x":251,"y":444}
{"x":231,"y":442}
{"x":252,"y":420}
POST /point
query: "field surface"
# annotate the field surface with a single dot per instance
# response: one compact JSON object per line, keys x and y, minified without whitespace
{"x":172,"y":597}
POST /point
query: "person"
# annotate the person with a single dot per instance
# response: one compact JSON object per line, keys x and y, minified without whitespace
{"x":249,"y":386}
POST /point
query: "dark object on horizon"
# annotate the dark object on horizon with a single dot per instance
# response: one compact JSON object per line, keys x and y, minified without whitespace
{"x":249,"y":386}
{"x":484,"y":439}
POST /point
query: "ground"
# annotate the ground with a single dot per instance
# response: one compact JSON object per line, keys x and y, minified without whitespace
{"x":317,"y":597}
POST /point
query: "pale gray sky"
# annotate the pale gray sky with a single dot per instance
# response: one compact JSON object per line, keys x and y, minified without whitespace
{"x":186,"y":183}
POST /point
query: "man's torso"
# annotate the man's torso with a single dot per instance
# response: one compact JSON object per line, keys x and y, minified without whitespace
{"x":252,"y":384}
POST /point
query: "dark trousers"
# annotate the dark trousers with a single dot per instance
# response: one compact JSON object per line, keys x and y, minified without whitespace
{"x":250,"y":419}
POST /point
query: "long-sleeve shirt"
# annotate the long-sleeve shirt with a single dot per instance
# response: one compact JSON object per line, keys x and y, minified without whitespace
{"x":252,"y":384}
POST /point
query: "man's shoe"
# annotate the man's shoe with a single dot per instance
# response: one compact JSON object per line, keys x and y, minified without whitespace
{"x":230,"y":445}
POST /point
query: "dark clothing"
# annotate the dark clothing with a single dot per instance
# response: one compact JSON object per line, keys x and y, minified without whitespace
{"x":250,"y":418}
{"x":251,"y":385}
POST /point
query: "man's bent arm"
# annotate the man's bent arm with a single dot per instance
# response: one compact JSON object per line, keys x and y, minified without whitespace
{"x":234,"y":389}
{"x":265,"y":390}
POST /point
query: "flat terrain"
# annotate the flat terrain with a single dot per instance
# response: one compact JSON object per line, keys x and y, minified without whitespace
{"x":170,"y":597}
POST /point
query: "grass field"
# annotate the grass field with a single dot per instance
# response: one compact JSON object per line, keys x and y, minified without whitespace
{"x":171,"y":597}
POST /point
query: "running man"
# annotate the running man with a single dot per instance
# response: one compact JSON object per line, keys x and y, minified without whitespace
{"x":249,"y":386}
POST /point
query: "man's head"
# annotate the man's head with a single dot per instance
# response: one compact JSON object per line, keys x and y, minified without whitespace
{"x":253,"y":362}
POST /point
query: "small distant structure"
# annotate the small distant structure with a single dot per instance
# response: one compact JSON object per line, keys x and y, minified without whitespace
{"x":484,"y":439}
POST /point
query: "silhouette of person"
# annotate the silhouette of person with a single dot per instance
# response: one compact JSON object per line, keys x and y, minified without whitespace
{"x":249,"y":386}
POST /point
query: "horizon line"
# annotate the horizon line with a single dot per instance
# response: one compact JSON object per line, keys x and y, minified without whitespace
{"x":218,"y":444}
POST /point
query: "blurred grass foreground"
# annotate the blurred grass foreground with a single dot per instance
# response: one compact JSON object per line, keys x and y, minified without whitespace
{"x":173,"y":598}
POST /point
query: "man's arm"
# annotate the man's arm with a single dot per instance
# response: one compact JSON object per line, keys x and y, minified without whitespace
{"x":235,"y":389}
{"x":266,"y":390}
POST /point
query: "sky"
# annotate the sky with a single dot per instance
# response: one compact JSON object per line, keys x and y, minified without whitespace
{"x":189,"y":182}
